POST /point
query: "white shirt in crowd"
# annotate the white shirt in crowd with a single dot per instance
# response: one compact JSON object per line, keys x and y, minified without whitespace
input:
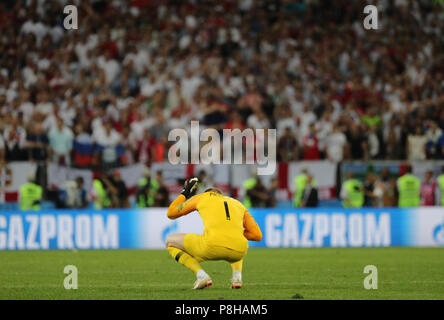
{"x":256,"y":123}
{"x":81,"y":49}
{"x":2,"y":143}
{"x":37,"y":28}
{"x":306,"y":119}
{"x":108,"y":142}
{"x":148,"y":87}
{"x":104,"y":139}
{"x":19,"y":138}
{"x":44,"y":108}
{"x":416,"y":147}
{"x":140,"y":59}
{"x":324,"y":128}
{"x":282,"y":124}
{"x":189,"y":86}
{"x":335,"y":143}
{"x":111,"y":68}
{"x":27,"y":109}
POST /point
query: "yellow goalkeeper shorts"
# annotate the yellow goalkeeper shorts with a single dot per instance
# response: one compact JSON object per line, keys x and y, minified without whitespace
{"x":196,"y":246}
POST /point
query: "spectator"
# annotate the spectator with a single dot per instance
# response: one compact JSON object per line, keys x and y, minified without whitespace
{"x":204,"y":181}
{"x":270,"y":74}
{"x":30,"y":194}
{"x":287,"y":149}
{"x":393,"y":147}
{"x":373,"y":142}
{"x":324,"y":128}
{"x":369,"y":190}
{"x":73,"y":194}
{"x":14,"y":137}
{"x":258,"y":195}
{"x":101,"y":192}
{"x":307,"y":119}
{"x":428,"y":189}
{"x":193,"y":66}
{"x":162,"y":196}
{"x":44,"y":107}
{"x":61,"y":143}
{"x":352,"y":192}
{"x":378,"y":193}
{"x":118,"y":190}
{"x":83,"y":147}
{"x":310,"y":147}
{"x":108,"y":141}
{"x":310,"y":196}
{"x":384,"y":178}
{"x":335,"y":144}
{"x":38,"y":143}
{"x":235,"y":122}
{"x":433,"y":134}
{"x":440,"y":188}
{"x":285,"y":120}
{"x":384,"y":190}
{"x":26,"y":108}
{"x":159,"y":127}
{"x":409,"y":189}
{"x":2,"y":150}
{"x":250,"y":102}
{"x":146,"y":148}
{"x":440,"y":146}
{"x":110,"y":66}
{"x":146,"y":189}
{"x":214,"y":112}
{"x":272,"y":193}
{"x":390,"y":194}
{"x":417,"y":145}
{"x":258,"y":120}
{"x":357,"y":144}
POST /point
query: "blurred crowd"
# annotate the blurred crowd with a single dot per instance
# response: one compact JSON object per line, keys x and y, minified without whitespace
{"x":108,"y":190}
{"x":109,"y":92}
{"x":384,"y":189}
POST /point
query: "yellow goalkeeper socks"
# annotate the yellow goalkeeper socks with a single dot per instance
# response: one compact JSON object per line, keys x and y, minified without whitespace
{"x":237,"y":266}
{"x":184,"y":258}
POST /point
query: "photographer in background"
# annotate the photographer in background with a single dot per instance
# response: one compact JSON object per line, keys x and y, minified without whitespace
{"x":162,"y":196}
{"x":146,"y":189}
{"x":428,"y":189}
{"x":73,"y":195}
{"x":310,"y":197}
{"x":30,"y":194}
{"x":272,"y":193}
{"x":118,"y":190}
{"x":258,"y":195}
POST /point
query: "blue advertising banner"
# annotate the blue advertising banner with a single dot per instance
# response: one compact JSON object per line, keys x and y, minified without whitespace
{"x":335,"y":228}
{"x":148,"y":228}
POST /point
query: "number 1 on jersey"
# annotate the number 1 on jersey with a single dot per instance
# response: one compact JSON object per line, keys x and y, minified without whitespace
{"x":227,"y":212}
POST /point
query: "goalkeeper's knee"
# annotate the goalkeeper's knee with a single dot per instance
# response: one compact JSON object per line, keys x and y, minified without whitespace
{"x":175,"y":253}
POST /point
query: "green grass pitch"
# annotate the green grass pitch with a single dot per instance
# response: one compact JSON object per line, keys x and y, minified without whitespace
{"x":324,"y":273}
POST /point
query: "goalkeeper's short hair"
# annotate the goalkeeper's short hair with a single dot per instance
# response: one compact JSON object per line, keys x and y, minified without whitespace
{"x":214,"y":189}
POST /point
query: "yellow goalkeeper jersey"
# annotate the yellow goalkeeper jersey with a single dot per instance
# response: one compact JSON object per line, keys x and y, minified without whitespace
{"x":227,"y":223}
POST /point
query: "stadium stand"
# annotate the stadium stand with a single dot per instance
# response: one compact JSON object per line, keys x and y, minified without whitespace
{"x":107,"y":94}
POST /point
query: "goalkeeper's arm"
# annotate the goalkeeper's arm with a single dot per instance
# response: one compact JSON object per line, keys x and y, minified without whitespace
{"x":251,"y":229}
{"x":181,"y":206}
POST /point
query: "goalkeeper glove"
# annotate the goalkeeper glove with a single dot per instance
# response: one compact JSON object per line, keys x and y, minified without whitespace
{"x":190,"y":187}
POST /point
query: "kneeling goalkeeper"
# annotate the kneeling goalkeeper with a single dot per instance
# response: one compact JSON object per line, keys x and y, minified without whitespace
{"x":227,"y":228}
